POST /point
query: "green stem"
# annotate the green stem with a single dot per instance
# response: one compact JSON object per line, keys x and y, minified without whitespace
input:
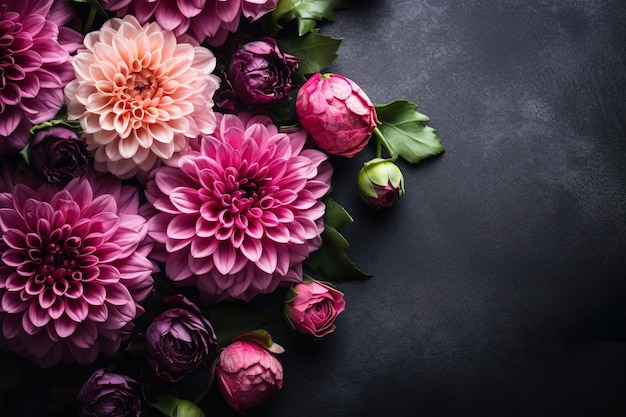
{"x":201,"y":396}
{"x":90,"y":19}
{"x":379,"y":142}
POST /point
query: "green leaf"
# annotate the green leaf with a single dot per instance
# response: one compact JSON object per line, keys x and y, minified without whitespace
{"x":306,"y":12}
{"x":331,"y":259}
{"x":405,"y":132}
{"x":231,"y":319}
{"x":314,"y":51}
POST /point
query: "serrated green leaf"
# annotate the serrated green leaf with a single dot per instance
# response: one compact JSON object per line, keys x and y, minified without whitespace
{"x":331,"y":259}
{"x":306,"y":12}
{"x":314,"y":51}
{"x":405,"y":132}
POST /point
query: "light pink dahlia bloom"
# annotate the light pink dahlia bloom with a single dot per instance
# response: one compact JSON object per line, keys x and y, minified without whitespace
{"x":73,"y":268}
{"x":34,"y":65}
{"x":205,"y":20}
{"x":239,"y":216}
{"x":140,"y":94}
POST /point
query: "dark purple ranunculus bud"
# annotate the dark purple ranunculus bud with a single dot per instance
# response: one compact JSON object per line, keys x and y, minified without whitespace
{"x":259,"y":75}
{"x":106,"y":394}
{"x":179,"y":340}
{"x":58,"y":154}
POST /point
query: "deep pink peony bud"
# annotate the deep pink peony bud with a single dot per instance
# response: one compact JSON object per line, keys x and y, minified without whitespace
{"x":106,"y":394}
{"x":311,"y":307}
{"x":179,"y":340}
{"x":248,"y":374}
{"x":337,"y":113}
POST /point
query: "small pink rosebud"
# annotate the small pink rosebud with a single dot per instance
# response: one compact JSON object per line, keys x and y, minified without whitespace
{"x":380,"y":183}
{"x":248,"y":373}
{"x":311,"y":307}
{"x":337,"y":114}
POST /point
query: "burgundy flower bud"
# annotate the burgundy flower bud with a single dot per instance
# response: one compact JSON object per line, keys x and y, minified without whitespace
{"x":179,"y":340}
{"x":248,"y":374}
{"x":311,"y":307}
{"x":259,"y":75}
{"x":336,"y":113}
{"x":58,"y":154}
{"x":380,"y":183}
{"x":106,"y":394}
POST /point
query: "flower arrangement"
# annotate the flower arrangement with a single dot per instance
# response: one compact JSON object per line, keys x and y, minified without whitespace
{"x":163,"y":164}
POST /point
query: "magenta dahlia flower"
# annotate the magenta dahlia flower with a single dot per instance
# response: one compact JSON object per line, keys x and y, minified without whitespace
{"x":240,"y":215}
{"x":140,"y":94}
{"x":34,"y":65}
{"x":73,"y":268}
{"x":205,"y":20}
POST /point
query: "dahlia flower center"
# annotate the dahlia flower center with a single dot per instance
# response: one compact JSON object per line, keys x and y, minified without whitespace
{"x":58,"y":265}
{"x":143,"y":85}
{"x":238,"y":193}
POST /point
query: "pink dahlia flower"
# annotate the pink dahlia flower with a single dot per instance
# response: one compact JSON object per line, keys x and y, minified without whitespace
{"x":140,"y":94}
{"x":73,"y":270}
{"x":205,"y":20}
{"x":240,"y":215}
{"x":34,"y":65}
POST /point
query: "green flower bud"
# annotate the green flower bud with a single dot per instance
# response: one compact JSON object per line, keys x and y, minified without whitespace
{"x":380,"y":183}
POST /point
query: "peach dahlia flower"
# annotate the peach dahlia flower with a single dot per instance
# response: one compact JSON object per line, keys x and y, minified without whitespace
{"x":140,"y":94}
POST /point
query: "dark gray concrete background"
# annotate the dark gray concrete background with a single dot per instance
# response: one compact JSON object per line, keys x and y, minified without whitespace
{"x":499,"y":280}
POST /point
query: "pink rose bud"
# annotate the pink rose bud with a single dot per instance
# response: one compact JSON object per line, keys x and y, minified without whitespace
{"x":248,"y":374}
{"x":380,"y":183}
{"x":337,"y":114}
{"x":311,"y":307}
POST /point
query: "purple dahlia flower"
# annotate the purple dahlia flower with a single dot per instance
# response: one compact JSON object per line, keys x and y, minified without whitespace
{"x":34,"y":65}
{"x":204,"y":20}
{"x":73,"y":268}
{"x":239,"y":216}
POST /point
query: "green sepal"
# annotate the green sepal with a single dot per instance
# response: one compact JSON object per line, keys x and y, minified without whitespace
{"x":176,"y":407}
{"x":314,"y":51}
{"x":331,"y":259}
{"x":261,"y":337}
{"x":405,"y":132}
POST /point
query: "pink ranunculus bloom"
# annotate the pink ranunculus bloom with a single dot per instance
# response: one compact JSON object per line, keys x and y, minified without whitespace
{"x":35,"y":64}
{"x":238,"y":216}
{"x":248,"y":374}
{"x":73,"y":268}
{"x":140,"y":94}
{"x":312,"y":307}
{"x":205,"y":20}
{"x":337,"y":113}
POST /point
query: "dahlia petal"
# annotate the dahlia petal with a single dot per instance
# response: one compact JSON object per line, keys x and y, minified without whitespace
{"x":268,"y":259}
{"x":118,"y":294}
{"x":38,"y":316}
{"x":9,"y":121}
{"x":64,"y":326}
{"x":177,"y":266}
{"x":98,"y":313}
{"x":182,"y":227}
{"x":76,"y":310}
{"x":57,"y":308}
{"x":15,"y":239}
{"x":12,"y":302}
{"x":94,"y":294}
{"x":185,"y":199}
